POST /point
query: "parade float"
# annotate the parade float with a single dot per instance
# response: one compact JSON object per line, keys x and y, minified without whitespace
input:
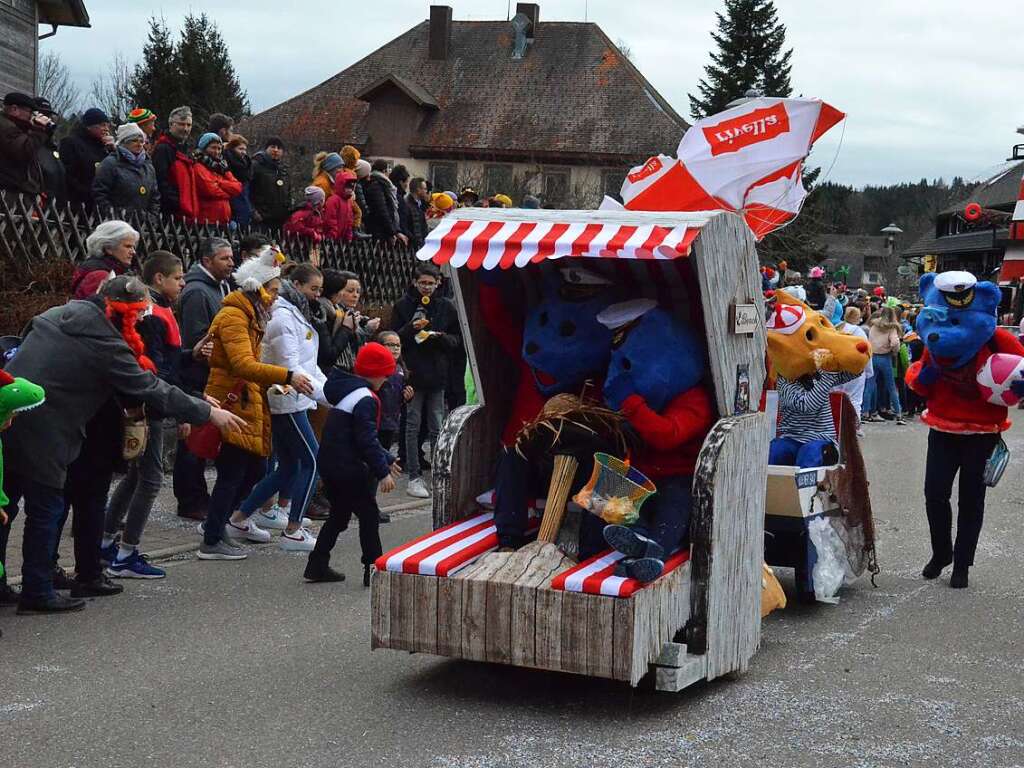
{"x":676,"y":264}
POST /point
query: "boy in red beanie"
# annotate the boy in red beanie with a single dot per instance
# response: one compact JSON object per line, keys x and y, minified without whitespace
{"x":352,"y":462}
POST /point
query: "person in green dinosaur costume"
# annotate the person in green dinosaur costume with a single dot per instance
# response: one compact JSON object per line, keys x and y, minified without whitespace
{"x":16,"y":395}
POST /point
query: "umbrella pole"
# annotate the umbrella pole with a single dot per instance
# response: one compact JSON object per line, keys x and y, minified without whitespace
{"x":558,"y":496}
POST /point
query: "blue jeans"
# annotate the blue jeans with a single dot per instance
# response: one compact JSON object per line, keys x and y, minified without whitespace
{"x":44,"y":508}
{"x":294,"y":477}
{"x":870,"y":404}
{"x":885,"y":380}
{"x":425,"y":406}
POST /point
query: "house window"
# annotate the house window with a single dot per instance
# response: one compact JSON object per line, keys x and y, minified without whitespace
{"x":443,"y":177}
{"x":556,"y":187}
{"x":497,"y":179}
{"x":611,"y":183}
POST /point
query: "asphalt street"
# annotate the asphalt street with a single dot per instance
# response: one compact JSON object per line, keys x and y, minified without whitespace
{"x":243,"y":664}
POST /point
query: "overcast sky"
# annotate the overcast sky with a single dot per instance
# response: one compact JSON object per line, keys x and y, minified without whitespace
{"x":928,"y":91}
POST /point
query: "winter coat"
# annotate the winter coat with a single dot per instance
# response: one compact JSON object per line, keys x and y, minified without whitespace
{"x":293,"y":343}
{"x":350,"y":442}
{"x":175,"y":176}
{"x":427,"y":361}
{"x":54,"y":177}
{"x":270,"y":191}
{"x":381,"y":218}
{"x":338,"y":343}
{"x":241,"y":168}
{"x":415,"y":226}
{"x":76,"y":355}
{"x":360,"y":211}
{"x":119,"y":183}
{"x":324,"y":181}
{"x":162,"y":339}
{"x":198,"y":304}
{"x":339,"y":213}
{"x":214,"y":190}
{"x":85,"y":282}
{"x":82,"y":153}
{"x":306,"y":222}
{"x":235,"y":360}
{"x":19,"y":162}
{"x":391,"y":399}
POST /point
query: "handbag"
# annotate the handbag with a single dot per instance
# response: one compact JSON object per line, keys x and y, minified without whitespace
{"x":996,"y":464}
{"x":134,"y":433}
{"x":205,"y":440}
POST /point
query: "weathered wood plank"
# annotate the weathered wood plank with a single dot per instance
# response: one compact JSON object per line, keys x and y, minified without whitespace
{"x":601,"y":635}
{"x":449,"y":617}
{"x":498,"y":644}
{"x":691,"y":670}
{"x":380,"y":610}
{"x":425,"y":614}
{"x":622,"y":643}
{"x":574,"y":632}
{"x":474,"y":606}
{"x":548,"y":629}
{"x":403,"y":605}
{"x":541,"y":566}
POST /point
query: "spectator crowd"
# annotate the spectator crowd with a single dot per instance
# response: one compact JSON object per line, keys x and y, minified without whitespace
{"x":265,"y":370}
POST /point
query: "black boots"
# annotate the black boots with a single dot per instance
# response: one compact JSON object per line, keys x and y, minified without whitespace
{"x":101,"y":586}
{"x":366,"y":575}
{"x":317,"y":572}
{"x":55,"y":604}
{"x":959,"y":578}
{"x":934,"y":567}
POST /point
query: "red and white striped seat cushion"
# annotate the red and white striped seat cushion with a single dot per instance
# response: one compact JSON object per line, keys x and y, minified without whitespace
{"x":447,"y":550}
{"x":596,"y":575}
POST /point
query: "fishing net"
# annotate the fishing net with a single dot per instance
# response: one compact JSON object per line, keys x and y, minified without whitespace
{"x":615,"y":491}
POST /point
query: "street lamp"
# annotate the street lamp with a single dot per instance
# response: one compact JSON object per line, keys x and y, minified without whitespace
{"x":890,"y":233}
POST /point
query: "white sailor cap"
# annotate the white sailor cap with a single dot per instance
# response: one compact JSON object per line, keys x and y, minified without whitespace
{"x":624,"y":313}
{"x":576,"y":275}
{"x":955,"y":282}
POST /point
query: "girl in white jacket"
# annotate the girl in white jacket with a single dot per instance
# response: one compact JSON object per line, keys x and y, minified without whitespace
{"x":291,"y":340}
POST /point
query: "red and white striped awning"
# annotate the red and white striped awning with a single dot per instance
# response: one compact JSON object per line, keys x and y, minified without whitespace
{"x":481,"y":238}
{"x":1013,"y":259}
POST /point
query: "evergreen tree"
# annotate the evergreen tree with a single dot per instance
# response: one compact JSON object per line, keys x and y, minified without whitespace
{"x":750,"y":40}
{"x":207,"y":74}
{"x":156,"y":82}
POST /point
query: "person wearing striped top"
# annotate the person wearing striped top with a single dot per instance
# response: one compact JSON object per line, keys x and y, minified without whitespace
{"x":807,"y":433}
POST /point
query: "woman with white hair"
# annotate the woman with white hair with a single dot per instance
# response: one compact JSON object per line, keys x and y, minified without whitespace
{"x":111,"y":249}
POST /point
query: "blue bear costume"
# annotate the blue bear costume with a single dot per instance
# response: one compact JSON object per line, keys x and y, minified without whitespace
{"x":562,"y":346}
{"x":656,"y":380}
{"x":958,"y":328}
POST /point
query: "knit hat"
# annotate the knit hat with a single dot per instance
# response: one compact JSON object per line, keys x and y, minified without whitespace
{"x":207,"y":139}
{"x":256,"y":272}
{"x":127,"y":132}
{"x":363,"y":169}
{"x":504,"y":200}
{"x":314,"y":196}
{"x":141,"y":115}
{"x":350,"y":155}
{"x":441,"y":201}
{"x":374,"y":361}
{"x":94,"y":116}
{"x":332,"y":162}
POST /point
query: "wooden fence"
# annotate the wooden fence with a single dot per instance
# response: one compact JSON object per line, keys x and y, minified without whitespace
{"x":39,"y":244}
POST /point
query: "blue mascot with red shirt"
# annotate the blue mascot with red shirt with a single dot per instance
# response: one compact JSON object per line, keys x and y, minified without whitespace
{"x":656,"y":379}
{"x":958,"y":328}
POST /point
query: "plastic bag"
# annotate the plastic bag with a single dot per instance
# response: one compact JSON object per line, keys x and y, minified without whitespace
{"x":829,"y":571}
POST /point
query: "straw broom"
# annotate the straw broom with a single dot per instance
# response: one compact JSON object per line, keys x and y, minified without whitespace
{"x":558,"y":496}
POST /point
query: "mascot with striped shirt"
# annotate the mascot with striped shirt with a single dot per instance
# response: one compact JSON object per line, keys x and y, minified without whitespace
{"x":809,"y":358}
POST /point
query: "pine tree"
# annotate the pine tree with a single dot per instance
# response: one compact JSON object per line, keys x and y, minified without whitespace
{"x":750,"y":54}
{"x":207,"y":73}
{"x":156,"y":82}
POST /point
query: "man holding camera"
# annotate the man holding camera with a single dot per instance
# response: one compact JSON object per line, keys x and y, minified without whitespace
{"x":23,"y":131}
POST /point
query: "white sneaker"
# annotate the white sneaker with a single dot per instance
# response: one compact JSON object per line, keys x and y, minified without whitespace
{"x":247,"y":531}
{"x":299,"y":540}
{"x":417,"y":489}
{"x":276,"y":519}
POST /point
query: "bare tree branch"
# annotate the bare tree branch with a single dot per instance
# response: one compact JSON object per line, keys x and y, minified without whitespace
{"x":112,"y":90}
{"x":54,"y":83}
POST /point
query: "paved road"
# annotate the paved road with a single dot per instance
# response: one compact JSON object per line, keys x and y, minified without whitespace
{"x":241,"y":664}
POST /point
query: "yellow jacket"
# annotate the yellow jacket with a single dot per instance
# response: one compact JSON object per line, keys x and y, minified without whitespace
{"x":236,"y":358}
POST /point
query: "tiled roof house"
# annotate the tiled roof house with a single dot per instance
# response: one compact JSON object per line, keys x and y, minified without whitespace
{"x":552,"y":108}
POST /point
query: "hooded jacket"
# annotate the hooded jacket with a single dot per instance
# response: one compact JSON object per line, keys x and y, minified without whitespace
{"x":307,"y":221}
{"x":381,"y":218}
{"x":82,"y":153}
{"x":91,"y":273}
{"x":427,"y":361}
{"x":175,"y":175}
{"x":119,"y":183}
{"x":19,"y":162}
{"x":235,"y":365}
{"x":293,"y":343}
{"x":350,"y":443}
{"x":76,"y":355}
{"x":339,"y":211}
{"x":270,"y":190}
{"x":214,"y":190}
{"x":198,"y":304}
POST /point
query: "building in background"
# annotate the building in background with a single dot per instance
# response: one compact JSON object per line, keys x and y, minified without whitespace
{"x":523,"y":106}
{"x":19,"y":37}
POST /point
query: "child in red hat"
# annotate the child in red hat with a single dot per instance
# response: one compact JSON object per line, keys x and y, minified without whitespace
{"x":352,"y":462}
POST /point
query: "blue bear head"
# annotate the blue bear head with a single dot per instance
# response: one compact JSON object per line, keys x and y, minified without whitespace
{"x":955,"y":334}
{"x":660,"y":358}
{"x":563,"y":343}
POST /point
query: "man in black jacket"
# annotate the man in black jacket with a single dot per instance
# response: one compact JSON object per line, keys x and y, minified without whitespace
{"x":271,"y":189}
{"x":416,"y":204}
{"x":82,"y":152}
{"x":23,"y":131}
{"x":381,"y":216}
{"x":429,"y":328}
{"x":54,"y":177}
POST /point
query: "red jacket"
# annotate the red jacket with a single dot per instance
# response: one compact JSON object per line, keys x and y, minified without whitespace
{"x":306,"y":222}
{"x":214,"y":193}
{"x":182,"y":177}
{"x":90,"y":273}
{"x":954,"y":401}
{"x":672,"y":438}
{"x":339,"y":219}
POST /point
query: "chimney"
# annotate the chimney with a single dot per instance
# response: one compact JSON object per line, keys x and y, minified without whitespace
{"x":532,"y":12}
{"x":440,"y":37}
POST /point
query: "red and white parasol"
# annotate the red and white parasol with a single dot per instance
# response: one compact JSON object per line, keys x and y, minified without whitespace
{"x":748,"y":160}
